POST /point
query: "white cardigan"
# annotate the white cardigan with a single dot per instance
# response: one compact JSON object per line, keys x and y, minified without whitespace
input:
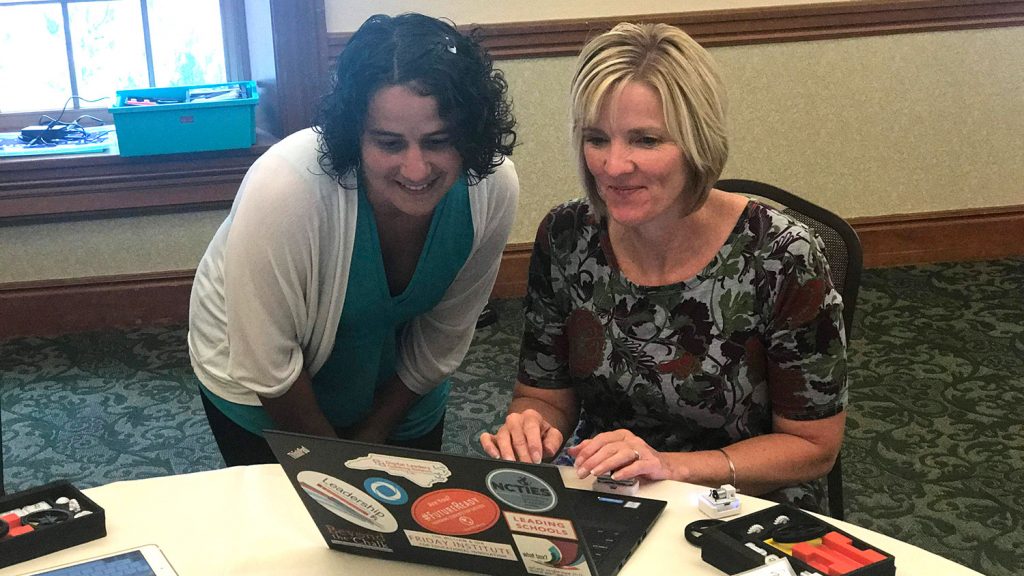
{"x":269,"y":292}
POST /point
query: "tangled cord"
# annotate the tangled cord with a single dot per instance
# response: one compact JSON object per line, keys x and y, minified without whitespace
{"x":74,"y":132}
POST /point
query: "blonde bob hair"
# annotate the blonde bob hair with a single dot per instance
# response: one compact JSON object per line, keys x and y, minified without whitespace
{"x":682,"y":73}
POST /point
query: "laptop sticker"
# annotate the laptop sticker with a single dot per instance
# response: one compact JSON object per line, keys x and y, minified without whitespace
{"x":460,"y":545}
{"x":424,"y":473}
{"x":551,"y":557}
{"x":346,"y":501}
{"x":540,"y":525}
{"x":357,"y":538}
{"x":521,"y":490}
{"x":455,"y":512}
{"x":385,"y":490}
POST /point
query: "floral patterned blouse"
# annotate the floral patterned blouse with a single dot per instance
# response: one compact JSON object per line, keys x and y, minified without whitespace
{"x":696,"y":365}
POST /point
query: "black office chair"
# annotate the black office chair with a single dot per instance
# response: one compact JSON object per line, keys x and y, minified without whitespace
{"x":1,"y":455}
{"x":845,"y":259}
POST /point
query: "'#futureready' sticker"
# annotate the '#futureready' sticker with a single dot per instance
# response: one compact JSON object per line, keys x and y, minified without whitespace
{"x":347,"y":502}
{"x":455,"y":512}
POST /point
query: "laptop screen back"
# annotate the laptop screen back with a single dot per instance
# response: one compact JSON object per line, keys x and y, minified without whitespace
{"x":446,"y":510}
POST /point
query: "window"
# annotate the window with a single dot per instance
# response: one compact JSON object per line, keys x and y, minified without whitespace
{"x":289,"y":64}
{"x":91,"y":48}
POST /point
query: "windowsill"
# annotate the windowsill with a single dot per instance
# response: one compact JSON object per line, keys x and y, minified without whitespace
{"x":68,"y":187}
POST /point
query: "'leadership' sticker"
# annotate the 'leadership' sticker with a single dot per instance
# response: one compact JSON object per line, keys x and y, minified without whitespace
{"x":347,"y":501}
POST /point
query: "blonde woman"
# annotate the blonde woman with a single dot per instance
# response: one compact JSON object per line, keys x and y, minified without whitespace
{"x":674,"y":330}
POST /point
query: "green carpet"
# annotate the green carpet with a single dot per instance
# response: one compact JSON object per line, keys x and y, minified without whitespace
{"x":934,"y":452}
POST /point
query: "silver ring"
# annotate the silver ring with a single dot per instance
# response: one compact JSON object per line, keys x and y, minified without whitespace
{"x":637,"y":454}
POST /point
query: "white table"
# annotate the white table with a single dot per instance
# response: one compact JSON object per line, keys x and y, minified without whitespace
{"x":249,"y":521}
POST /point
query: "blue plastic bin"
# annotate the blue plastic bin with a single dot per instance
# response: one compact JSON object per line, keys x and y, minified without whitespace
{"x":169,"y":128}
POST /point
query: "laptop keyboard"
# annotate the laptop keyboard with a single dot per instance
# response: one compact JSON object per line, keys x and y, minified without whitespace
{"x":600,"y":540}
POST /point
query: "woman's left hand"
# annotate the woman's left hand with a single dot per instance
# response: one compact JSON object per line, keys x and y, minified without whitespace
{"x":621,"y":452}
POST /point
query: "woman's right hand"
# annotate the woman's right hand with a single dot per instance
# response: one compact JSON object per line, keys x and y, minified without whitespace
{"x":525,"y":436}
{"x":297,"y":409}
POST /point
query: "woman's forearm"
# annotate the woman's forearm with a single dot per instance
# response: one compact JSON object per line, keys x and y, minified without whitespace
{"x":297,"y":410}
{"x":763,"y":463}
{"x":390,"y":405}
{"x":557,"y":407}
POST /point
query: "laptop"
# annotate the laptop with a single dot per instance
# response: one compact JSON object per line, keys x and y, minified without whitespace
{"x":461,"y":512}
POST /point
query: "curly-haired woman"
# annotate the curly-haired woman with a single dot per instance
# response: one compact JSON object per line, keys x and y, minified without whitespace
{"x":344,"y":286}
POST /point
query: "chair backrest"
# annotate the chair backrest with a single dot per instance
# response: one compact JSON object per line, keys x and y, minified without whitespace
{"x":1,"y":455}
{"x":845,"y":260}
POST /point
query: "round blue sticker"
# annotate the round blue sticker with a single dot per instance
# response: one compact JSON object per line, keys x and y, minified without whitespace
{"x":385,"y":490}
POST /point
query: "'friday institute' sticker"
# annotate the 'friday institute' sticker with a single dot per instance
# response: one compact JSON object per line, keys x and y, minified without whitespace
{"x":460,"y":545}
{"x":424,"y":473}
{"x":521,"y":490}
{"x":346,"y":501}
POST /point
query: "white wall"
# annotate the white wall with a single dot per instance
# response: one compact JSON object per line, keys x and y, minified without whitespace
{"x":867,"y":126}
{"x":347,"y":15}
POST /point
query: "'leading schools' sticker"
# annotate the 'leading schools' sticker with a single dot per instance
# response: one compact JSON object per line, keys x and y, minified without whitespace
{"x":455,"y":512}
{"x":540,"y":525}
{"x":347,"y":501}
{"x":521,"y":490}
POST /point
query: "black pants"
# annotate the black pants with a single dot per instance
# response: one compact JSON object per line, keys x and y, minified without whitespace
{"x":239,"y":447}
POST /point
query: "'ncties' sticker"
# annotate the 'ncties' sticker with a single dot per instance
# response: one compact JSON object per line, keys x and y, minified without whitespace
{"x":521,"y":490}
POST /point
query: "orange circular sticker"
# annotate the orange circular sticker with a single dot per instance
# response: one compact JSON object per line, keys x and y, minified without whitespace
{"x":455,"y":512}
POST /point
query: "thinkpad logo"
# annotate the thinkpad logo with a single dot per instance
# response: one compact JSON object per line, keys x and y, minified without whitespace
{"x":298,"y":452}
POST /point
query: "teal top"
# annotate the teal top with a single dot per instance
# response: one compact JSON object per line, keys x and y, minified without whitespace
{"x":366,"y":345}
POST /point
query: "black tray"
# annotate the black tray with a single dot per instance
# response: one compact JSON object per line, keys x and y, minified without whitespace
{"x":725,"y":546}
{"x":47,"y":539}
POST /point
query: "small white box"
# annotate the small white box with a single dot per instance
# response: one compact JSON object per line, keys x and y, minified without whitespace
{"x":719,"y":502}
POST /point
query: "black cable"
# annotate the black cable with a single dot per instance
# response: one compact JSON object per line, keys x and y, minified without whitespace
{"x":695,"y":530}
{"x":73,"y":133}
{"x":55,"y":121}
{"x":798,"y":532}
{"x":89,"y":117}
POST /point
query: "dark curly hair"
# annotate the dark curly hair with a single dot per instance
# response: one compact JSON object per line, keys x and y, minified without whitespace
{"x":434,"y":59}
